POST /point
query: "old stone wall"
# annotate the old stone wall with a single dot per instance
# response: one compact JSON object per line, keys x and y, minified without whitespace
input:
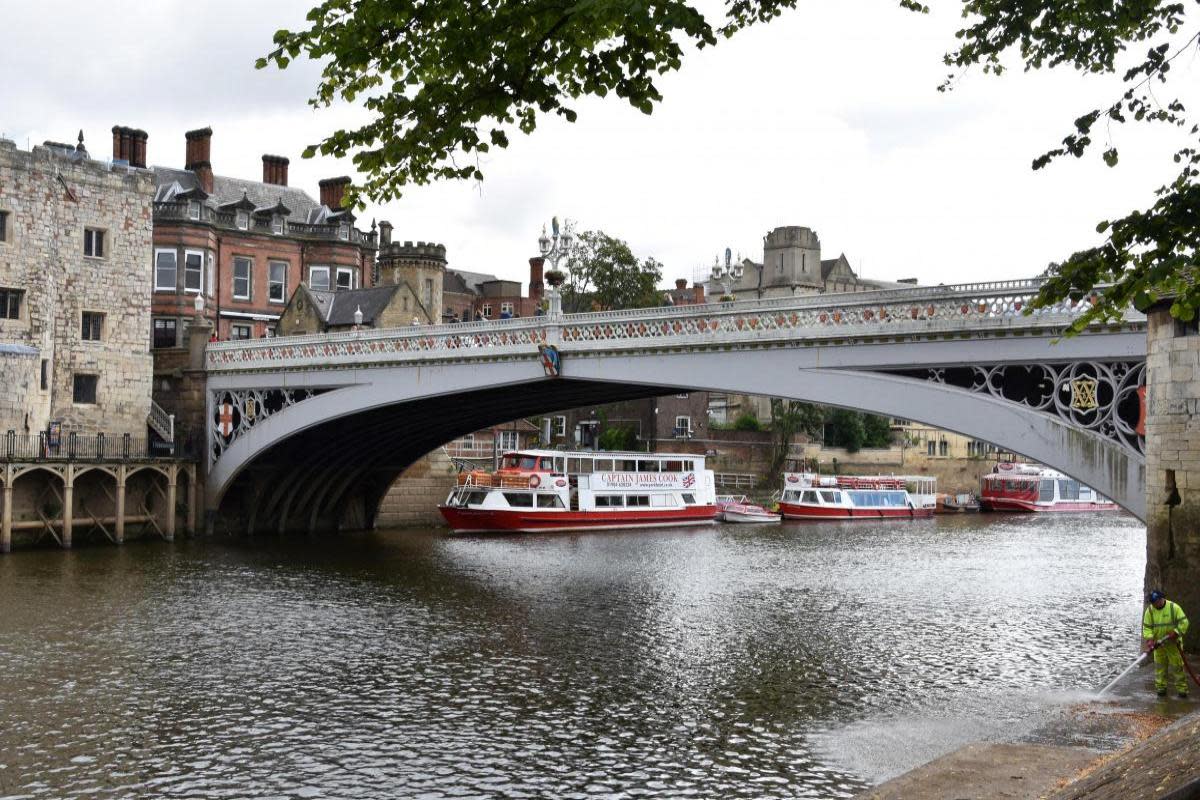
{"x":414,"y":497}
{"x":52,"y":198}
{"x":1173,"y":462}
{"x":22,"y":405}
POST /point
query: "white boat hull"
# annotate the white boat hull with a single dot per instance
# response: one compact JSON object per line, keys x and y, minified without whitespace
{"x":748,"y":516}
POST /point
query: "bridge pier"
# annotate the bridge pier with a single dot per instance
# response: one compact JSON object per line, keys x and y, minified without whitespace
{"x":1173,"y":461}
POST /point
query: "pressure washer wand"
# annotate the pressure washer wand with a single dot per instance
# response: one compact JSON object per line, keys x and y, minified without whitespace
{"x":1140,"y":660}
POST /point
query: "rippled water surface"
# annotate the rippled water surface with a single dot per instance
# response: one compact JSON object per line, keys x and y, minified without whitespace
{"x":780,"y":661}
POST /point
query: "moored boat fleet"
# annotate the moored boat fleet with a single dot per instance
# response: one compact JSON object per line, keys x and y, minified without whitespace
{"x":556,"y":491}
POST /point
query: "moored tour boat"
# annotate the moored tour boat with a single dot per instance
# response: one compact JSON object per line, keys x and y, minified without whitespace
{"x":738,"y":508}
{"x":554,"y":490}
{"x":1032,"y":487}
{"x":810,"y":496}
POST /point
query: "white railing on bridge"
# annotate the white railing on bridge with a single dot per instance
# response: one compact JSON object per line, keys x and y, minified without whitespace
{"x":919,"y":311}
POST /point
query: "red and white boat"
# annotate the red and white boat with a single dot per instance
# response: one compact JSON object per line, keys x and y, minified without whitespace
{"x":809,"y":496}
{"x":1032,"y":487}
{"x":554,"y":490}
{"x":738,"y":508}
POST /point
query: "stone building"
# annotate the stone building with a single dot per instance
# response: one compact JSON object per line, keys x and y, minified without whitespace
{"x":470,"y":296}
{"x":75,"y":250}
{"x":421,"y":269}
{"x":792,"y":266}
{"x":318,"y":311}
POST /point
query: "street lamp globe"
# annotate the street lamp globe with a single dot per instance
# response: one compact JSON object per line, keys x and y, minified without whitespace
{"x":565,"y":241}
{"x":544,"y":243}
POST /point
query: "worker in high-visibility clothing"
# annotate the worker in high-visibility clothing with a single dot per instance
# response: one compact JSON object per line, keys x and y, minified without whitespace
{"x":1165,"y":620}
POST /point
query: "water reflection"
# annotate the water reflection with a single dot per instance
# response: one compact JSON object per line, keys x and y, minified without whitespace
{"x":789,"y":660}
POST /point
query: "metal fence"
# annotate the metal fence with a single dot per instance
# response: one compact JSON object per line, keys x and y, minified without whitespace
{"x":89,"y":447}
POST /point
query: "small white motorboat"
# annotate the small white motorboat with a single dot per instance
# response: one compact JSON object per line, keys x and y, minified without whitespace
{"x":731,"y":508}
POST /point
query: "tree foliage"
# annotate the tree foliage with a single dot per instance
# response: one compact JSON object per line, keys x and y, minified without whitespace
{"x":445,"y":81}
{"x":788,"y":418}
{"x":747,"y":422}
{"x":603,"y":274}
{"x":618,"y":438}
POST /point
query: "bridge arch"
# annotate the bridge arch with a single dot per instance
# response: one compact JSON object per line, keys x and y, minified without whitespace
{"x":351,"y":441}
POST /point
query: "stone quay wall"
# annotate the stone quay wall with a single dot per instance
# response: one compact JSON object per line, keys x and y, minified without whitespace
{"x":413,"y":499}
{"x":52,"y":196}
{"x":1173,"y":461}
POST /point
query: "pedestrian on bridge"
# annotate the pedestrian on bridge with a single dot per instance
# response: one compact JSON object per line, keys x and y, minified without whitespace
{"x":1163,"y":627}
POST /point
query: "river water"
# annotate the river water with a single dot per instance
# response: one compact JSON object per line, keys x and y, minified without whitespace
{"x":795,"y":660}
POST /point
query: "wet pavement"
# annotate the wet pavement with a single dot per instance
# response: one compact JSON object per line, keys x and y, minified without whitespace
{"x":795,"y":660}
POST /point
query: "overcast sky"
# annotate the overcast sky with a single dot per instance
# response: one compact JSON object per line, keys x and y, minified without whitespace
{"x":828,"y":118}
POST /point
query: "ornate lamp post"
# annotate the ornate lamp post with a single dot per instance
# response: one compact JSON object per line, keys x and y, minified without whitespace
{"x":554,"y":250}
{"x":727,"y":275}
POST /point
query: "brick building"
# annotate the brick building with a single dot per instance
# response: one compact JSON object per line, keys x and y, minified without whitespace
{"x":75,"y":245}
{"x":241,"y":245}
{"x":469,"y":296}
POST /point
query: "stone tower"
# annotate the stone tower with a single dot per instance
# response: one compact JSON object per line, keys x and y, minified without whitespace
{"x":422,"y":265}
{"x":792,"y":257}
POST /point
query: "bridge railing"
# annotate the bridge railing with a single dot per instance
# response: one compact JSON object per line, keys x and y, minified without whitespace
{"x":915,"y":311}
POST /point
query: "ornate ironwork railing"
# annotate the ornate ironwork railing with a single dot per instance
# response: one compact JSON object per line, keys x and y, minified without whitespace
{"x":921,"y":311}
{"x":74,"y":446}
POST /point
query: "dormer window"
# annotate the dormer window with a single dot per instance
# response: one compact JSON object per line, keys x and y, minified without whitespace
{"x":193,"y":209}
{"x":243,"y":220}
{"x":276,"y":224}
{"x":344,"y":231}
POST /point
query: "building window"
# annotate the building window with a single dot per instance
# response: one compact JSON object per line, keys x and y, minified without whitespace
{"x":85,"y":388}
{"x":241,"y":278}
{"x":560,"y":427}
{"x":486,"y":311}
{"x":277,"y":225}
{"x":508,"y":440}
{"x":277,"y":281}
{"x":344,"y":232}
{"x":931,"y":448}
{"x":429,"y":292}
{"x":943,"y":448}
{"x":193,"y":271}
{"x":93,"y":242}
{"x":239,"y":332}
{"x":193,"y":209}
{"x":10,"y":303}
{"x":683,"y":427}
{"x":345,"y":279}
{"x":506,"y":308}
{"x":164,"y":332}
{"x":1189,"y":327}
{"x":243,"y":220}
{"x":166,"y":276}
{"x":45,"y":374}
{"x":318,"y":277}
{"x":467,"y":442}
{"x":93,"y":326}
{"x":3,"y":226}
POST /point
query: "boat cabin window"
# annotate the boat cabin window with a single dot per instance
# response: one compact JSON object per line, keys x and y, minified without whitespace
{"x":549,"y":501}
{"x":689,"y":465}
{"x":809,"y":496}
{"x":1068,"y":490}
{"x":830,"y":497}
{"x":689,"y":499}
{"x":472,"y":498}
{"x":662,"y":500}
{"x":647,"y":466}
{"x":626,"y":465}
{"x":1046,"y":491}
{"x":519,"y":499}
{"x":609,"y":501}
{"x":579,"y":466}
{"x":672,"y":466}
{"x":519,"y":461}
{"x":634,"y":500}
{"x":604,"y":465}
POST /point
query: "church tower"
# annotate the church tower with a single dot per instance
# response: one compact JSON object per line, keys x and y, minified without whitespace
{"x":792,"y":258}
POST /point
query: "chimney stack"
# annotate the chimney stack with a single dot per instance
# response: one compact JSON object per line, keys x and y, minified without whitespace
{"x":199,"y":143}
{"x":129,"y":145}
{"x":698,"y":295}
{"x":537,"y":288}
{"x":681,"y":283}
{"x":275,"y":170}
{"x":333,"y":190}
{"x":385,"y":233}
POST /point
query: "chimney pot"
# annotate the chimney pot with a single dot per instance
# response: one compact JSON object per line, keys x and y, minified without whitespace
{"x":681,"y":283}
{"x":275,"y":170}
{"x":199,"y":144}
{"x":129,"y":144}
{"x":385,"y":233}
{"x":333,"y":190}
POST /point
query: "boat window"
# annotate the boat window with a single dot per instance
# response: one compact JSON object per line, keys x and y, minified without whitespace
{"x":549,"y":501}
{"x":689,"y":465}
{"x":1046,"y":491}
{"x":689,"y":499}
{"x":632,"y":500}
{"x":647,"y":466}
{"x":672,"y":466}
{"x":604,"y":465}
{"x":474,"y":498}
{"x":626,"y":465}
{"x":517,"y":461}
{"x":662,"y":500}
{"x":829,"y":497}
{"x":560,"y":465}
{"x":609,"y":500}
{"x":809,"y":497}
{"x":519,"y":499}
{"x":579,"y":466}
{"x":1068,"y":490}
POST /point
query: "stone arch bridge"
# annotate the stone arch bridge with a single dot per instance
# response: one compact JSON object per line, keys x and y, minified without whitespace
{"x":309,"y":432}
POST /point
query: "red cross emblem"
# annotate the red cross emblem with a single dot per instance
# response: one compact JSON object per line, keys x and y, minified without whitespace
{"x":225,"y":420}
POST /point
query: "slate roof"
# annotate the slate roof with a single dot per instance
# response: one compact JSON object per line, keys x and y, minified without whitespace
{"x":172,"y":182}
{"x":464,"y":282}
{"x":337,"y":308}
